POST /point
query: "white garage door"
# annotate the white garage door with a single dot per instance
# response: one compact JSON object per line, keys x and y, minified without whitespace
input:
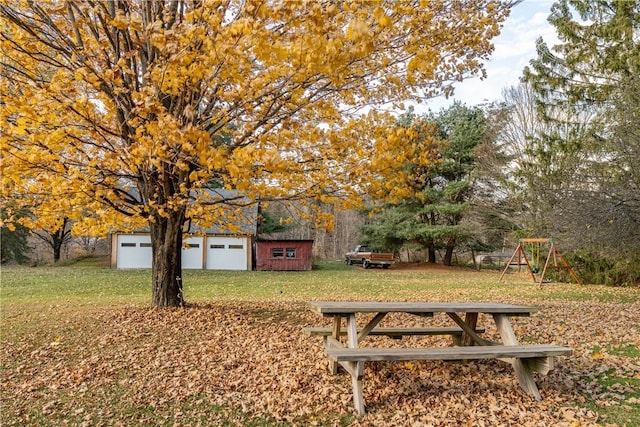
{"x":227,"y":253}
{"x":192,"y":253}
{"x":134,"y":251}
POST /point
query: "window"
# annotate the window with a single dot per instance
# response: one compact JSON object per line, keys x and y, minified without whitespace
{"x":277,"y":253}
{"x":145,"y":245}
{"x":127,"y":245}
{"x":291,"y":252}
{"x":236,"y":247}
{"x":216,"y":246}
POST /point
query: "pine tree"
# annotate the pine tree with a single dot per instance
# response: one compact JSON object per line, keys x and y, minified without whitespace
{"x":432,"y":215}
{"x":576,"y":163}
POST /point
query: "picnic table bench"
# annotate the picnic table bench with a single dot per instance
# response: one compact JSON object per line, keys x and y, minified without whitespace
{"x":397,"y":333}
{"x":525,"y":359}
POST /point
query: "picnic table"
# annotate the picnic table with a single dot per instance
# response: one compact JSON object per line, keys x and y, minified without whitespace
{"x":342,"y":345}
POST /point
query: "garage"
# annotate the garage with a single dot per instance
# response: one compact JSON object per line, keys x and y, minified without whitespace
{"x":134,"y":251}
{"x":212,"y":247}
{"x":192,"y":253}
{"x":228,"y":253}
{"x":213,"y":252}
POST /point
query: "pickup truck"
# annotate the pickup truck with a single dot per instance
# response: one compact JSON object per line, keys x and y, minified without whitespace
{"x":362,"y":255}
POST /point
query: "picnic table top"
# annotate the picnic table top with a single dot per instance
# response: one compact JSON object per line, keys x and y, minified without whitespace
{"x":333,"y":308}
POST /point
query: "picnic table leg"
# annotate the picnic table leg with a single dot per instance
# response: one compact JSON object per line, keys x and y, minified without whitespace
{"x":521,"y":368}
{"x":356,"y":383}
{"x":471,"y":320}
{"x":335,"y":333}
{"x":358,"y":367}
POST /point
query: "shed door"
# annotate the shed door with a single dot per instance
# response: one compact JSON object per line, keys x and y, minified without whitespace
{"x":227,"y":253}
{"x":192,"y":253}
{"x":134,"y":251}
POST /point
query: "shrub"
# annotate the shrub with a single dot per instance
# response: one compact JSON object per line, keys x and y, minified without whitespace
{"x":595,"y":268}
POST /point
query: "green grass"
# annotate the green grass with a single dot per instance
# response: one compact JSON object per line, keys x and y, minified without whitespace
{"x":620,"y":349}
{"x":86,"y":283}
{"x":618,"y":388}
{"x":39,"y":305}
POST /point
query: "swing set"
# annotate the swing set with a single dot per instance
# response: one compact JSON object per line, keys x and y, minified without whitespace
{"x":554,"y":260}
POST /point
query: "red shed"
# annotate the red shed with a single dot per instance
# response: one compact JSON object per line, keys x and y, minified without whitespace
{"x":283,"y":255}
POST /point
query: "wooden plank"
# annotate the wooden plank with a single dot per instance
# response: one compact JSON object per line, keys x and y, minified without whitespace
{"x":335,"y":334}
{"x":541,"y":365}
{"x":362,"y":334}
{"x":471,"y":320}
{"x":525,"y":378}
{"x":510,"y":263}
{"x":395,"y":332}
{"x":352,"y":368}
{"x":352,"y":331}
{"x":521,"y":256}
{"x":505,"y":329}
{"x":556,"y":255}
{"x":335,"y":330}
{"x":333,"y":308}
{"x":523,"y":372}
{"x":358,"y":396}
{"x":468,"y":331}
{"x":332,"y":342}
{"x":357,"y":368}
{"x":447,"y":353}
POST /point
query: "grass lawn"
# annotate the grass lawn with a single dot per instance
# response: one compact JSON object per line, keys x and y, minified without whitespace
{"x":80,"y":345}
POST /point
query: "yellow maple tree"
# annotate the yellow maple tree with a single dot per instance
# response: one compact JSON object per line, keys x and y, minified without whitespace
{"x":115,"y":113}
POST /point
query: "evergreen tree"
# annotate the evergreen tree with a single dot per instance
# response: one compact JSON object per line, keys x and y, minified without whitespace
{"x":464,"y":129}
{"x":269,"y":224}
{"x":13,"y":243}
{"x":598,"y":51}
{"x":577,"y":163}
{"x":433,"y":217}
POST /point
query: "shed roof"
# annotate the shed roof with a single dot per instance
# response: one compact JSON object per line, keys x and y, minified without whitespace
{"x":285,"y":240}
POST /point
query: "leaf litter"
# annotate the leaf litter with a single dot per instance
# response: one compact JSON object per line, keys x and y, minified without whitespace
{"x":249,"y":362}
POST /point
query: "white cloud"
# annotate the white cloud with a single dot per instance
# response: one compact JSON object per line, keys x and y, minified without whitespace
{"x":514,"y":48}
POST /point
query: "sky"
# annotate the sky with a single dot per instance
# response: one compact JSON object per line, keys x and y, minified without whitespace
{"x":514,"y":48}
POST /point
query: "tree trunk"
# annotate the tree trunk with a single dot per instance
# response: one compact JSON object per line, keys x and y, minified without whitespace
{"x":448,"y":255}
{"x":431,"y":246}
{"x":57,"y":251}
{"x":476,"y":265}
{"x":166,"y":243}
{"x":59,"y":238}
{"x":431,"y":251}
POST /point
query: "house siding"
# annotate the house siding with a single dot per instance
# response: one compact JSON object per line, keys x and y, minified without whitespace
{"x":284,"y":255}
